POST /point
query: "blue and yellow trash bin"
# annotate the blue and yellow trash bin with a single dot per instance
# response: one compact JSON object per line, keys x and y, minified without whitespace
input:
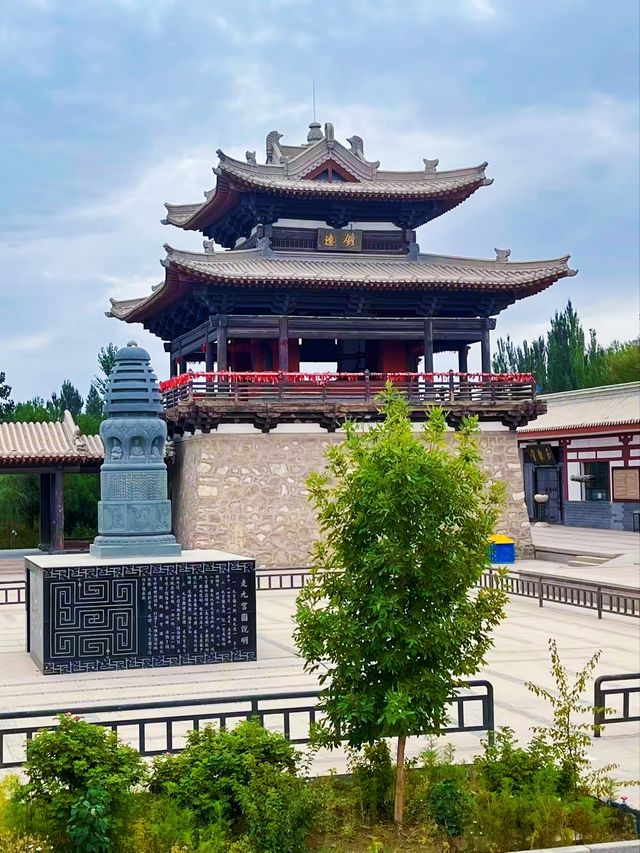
{"x":502,"y":549}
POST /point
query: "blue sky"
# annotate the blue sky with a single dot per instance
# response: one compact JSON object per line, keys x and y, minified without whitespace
{"x":108,"y":108}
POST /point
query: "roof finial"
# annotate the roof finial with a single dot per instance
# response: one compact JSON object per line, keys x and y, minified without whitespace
{"x":502,"y":255}
{"x":315,"y":133}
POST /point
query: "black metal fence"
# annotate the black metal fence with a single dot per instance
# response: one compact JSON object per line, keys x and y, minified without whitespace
{"x":602,"y":694}
{"x":155,"y":728}
{"x":12,"y":592}
{"x":602,"y":598}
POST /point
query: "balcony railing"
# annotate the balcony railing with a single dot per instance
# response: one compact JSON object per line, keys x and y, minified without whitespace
{"x":275,"y":387}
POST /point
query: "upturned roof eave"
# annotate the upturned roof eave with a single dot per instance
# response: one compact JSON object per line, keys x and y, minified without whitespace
{"x":177,"y":268}
{"x":234,"y":177}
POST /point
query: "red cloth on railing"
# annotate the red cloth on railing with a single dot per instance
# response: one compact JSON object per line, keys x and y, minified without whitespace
{"x":273,"y":377}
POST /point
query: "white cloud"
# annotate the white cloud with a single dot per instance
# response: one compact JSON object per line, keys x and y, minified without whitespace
{"x":109,"y":246}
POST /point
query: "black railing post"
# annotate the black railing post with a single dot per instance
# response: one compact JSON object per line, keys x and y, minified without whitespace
{"x":540,"y":596}
{"x":598,"y":704}
{"x":599,"y":601}
{"x":452,"y":395}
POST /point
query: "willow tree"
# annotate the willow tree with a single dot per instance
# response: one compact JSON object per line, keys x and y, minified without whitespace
{"x":388,"y":619}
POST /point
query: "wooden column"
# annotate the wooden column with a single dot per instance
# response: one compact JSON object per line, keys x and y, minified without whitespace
{"x":183,"y":364}
{"x":57,"y":512}
{"x":283,"y":345}
{"x":428,"y":345}
{"x":208,"y":357}
{"x":463,"y":360}
{"x":45,"y":512}
{"x":485,"y":345}
{"x":174,"y":366}
{"x":221,"y":344}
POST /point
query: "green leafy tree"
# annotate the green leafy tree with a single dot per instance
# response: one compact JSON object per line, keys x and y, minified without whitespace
{"x":566,"y":359}
{"x":35,"y":410}
{"x":622,"y":363}
{"x":93,"y":405}
{"x":6,"y":403}
{"x":70,"y":399}
{"x":106,"y":360}
{"x":387,"y":619}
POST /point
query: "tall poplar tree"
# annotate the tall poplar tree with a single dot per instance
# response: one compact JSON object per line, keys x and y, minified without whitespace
{"x":387,"y":619}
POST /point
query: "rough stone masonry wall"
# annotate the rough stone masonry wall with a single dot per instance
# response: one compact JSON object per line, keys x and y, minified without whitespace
{"x":245,"y":492}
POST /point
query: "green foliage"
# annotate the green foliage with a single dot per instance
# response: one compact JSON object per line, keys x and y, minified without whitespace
{"x":386,"y":619}
{"x":89,"y":823}
{"x":216,"y":765}
{"x":36,"y":411}
{"x":63,"y":765}
{"x":372,"y":778}
{"x":505,"y":766}
{"x":6,"y":403}
{"x":277,"y":810}
{"x":94,"y":404}
{"x":81,"y":496}
{"x":622,"y":363}
{"x":566,"y":359}
{"x":106,"y":361}
{"x":70,"y":399}
{"x":89,"y":424}
{"x":450,"y":804}
{"x":568,"y":740}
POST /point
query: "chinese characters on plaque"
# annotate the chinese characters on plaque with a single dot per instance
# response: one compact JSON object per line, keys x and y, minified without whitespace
{"x":339,"y":240}
{"x":163,"y":614}
{"x":540,"y":454}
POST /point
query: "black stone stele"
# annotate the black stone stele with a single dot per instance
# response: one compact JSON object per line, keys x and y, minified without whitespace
{"x":88,"y":617}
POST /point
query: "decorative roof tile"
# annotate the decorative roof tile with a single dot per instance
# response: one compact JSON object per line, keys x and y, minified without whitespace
{"x":59,"y":442}
{"x":611,"y":405}
{"x":252,"y":268}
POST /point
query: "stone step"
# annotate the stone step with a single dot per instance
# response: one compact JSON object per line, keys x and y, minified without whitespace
{"x":586,"y":561}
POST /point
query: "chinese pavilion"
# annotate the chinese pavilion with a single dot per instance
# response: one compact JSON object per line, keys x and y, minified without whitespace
{"x":321,"y":266}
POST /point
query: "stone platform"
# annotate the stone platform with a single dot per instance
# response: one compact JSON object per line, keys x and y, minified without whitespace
{"x":249,"y":490}
{"x":87,"y":614}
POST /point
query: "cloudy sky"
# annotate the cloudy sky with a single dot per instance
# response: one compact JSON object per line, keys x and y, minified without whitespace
{"x":108,"y":108}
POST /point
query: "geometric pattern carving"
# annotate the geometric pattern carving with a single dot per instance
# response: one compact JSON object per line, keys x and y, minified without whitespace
{"x":118,"y":617}
{"x":92,"y":618}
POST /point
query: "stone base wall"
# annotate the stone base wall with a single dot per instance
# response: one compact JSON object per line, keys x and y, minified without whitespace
{"x":245,"y":492}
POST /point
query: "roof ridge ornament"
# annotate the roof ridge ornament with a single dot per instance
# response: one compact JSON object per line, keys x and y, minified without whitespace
{"x":251,"y":158}
{"x":502,"y":255}
{"x":209,"y":247}
{"x":329,"y":133}
{"x":430,"y":165}
{"x":274,"y":155}
{"x":315,"y":132}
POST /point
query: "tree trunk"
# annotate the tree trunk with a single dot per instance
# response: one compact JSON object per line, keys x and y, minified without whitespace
{"x":398,"y":809}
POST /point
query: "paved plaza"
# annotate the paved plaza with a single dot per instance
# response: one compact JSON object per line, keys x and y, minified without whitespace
{"x":520,"y":654}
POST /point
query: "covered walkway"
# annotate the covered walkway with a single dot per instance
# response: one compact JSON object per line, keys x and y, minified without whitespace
{"x":49,"y":450}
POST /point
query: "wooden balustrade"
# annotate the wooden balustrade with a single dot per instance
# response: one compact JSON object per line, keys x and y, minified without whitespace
{"x":434,"y":388}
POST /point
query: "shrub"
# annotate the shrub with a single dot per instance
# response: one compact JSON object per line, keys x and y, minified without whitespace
{"x":450,"y":804}
{"x":373,"y":780}
{"x":62,"y":766}
{"x":217,"y":764}
{"x":277,"y":810}
{"x":506,"y":766}
{"x":89,"y":824}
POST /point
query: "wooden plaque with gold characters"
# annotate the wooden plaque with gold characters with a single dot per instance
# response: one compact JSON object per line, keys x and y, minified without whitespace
{"x":339,"y":240}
